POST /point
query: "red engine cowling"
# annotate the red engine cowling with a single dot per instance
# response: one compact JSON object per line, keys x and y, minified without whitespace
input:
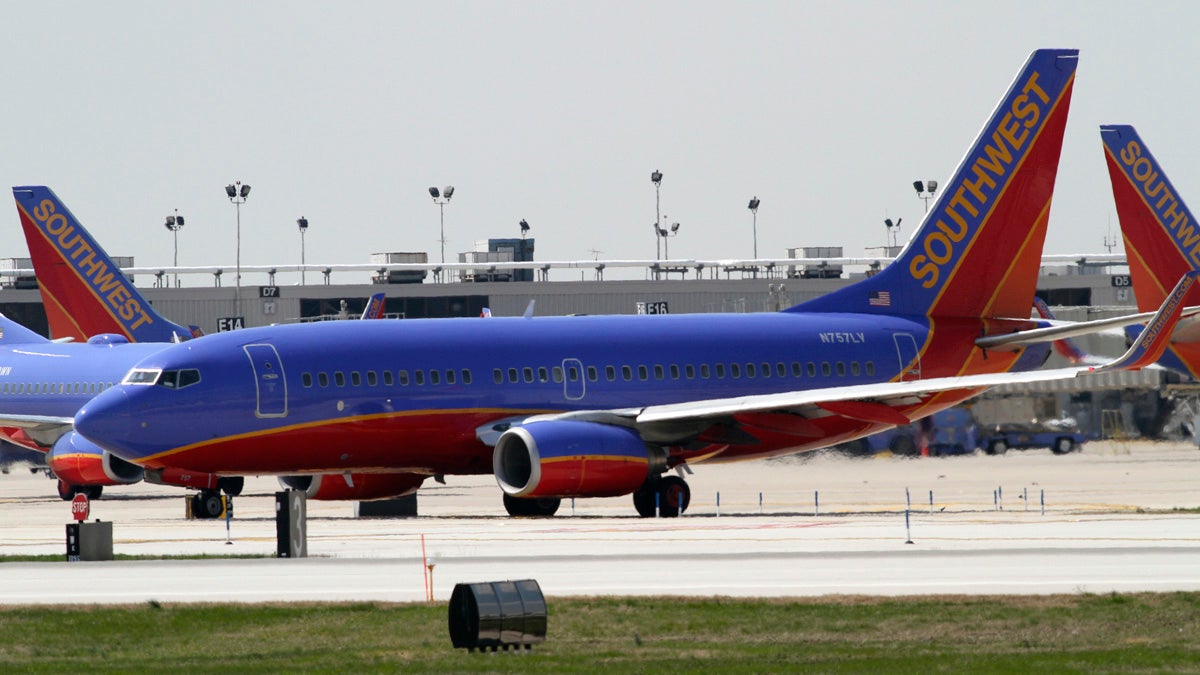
{"x":356,"y":486}
{"x":77,"y":461}
{"x":564,"y":458}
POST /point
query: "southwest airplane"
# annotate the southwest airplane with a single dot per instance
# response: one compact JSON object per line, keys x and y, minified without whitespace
{"x":1161,"y":235}
{"x":598,"y":406}
{"x":40,"y":397}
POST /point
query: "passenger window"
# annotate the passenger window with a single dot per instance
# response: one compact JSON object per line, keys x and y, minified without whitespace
{"x":557,"y":372}
{"x":466,"y":376}
{"x":419,"y":377}
{"x":780,"y":369}
{"x":643,"y":373}
{"x":512,"y":376}
{"x":659,"y":374}
{"x":735,"y":371}
{"x":435,"y":377}
{"x":402,"y":377}
{"x":339,"y":378}
{"x":527,"y":374}
{"x":626,"y":373}
{"x":593,"y":374}
{"x":610,"y":372}
{"x":854,"y":368}
{"x":323,"y":379}
{"x":751,"y":371}
{"x":797,"y":370}
{"x":870,"y":367}
{"x":719,"y":369}
{"x":372,"y":379}
{"x":355,"y":378}
{"x":812,"y":369}
{"x":306,"y":380}
{"x":841,"y":369}
{"x":543,"y":374}
{"x":690,"y":371}
{"x":825,"y":369}
{"x":573,"y":374}
{"x":674,"y":371}
{"x":387,"y":378}
{"x":451,"y":377}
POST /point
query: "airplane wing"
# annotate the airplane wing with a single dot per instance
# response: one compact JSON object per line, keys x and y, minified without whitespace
{"x":879,"y":402}
{"x":45,"y":429}
{"x":1069,"y":329}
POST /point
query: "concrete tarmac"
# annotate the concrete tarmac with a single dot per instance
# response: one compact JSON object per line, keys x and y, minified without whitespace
{"x":1114,"y":517}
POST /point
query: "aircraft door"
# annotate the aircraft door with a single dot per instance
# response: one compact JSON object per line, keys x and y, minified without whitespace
{"x":269,"y":380}
{"x":574,"y":384}
{"x":910,"y":356}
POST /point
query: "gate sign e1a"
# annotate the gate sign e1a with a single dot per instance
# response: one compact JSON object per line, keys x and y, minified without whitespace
{"x":659,"y":307}
{"x":228,"y":323}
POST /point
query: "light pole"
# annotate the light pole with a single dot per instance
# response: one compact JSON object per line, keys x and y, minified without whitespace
{"x":237,"y":193}
{"x":175,"y":224}
{"x":925,"y":191}
{"x":524,"y":228}
{"x":893,"y":229}
{"x":302,"y":222}
{"x":656,"y":178}
{"x":441,"y":199}
{"x":753,"y":206}
{"x":662,"y":232}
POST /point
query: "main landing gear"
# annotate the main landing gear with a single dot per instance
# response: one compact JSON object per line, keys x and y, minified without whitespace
{"x":667,"y":497}
{"x":67,"y":491}
{"x":207,"y":505}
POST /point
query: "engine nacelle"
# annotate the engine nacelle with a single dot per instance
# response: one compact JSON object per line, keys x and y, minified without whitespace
{"x":564,"y":458}
{"x":357,"y":486}
{"x":78,"y":461}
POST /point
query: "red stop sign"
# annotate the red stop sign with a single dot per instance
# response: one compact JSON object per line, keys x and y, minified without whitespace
{"x":80,"y":507}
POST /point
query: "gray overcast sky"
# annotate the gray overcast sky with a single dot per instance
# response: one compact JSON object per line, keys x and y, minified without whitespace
{"x":557,"y":112}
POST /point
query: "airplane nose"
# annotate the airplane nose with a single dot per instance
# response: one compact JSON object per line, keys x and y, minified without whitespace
{"x":106,"y":421}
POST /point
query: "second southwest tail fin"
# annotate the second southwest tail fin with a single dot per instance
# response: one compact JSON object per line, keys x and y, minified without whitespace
{"x":83,"y":290}
{"x":1162,"y":239}
{"x":978,"y":251}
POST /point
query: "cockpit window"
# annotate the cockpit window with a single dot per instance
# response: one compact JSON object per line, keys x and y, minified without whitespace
{"x":145,"y":376}
{"x":178,"y":379}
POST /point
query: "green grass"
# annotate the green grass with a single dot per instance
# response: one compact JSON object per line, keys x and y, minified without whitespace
{"x":1049,"y":634}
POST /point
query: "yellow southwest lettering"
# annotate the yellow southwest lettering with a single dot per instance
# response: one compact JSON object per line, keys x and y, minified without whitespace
{"x":980,"y":182}
{"x":97,"y":273}
{"x":1168,"y":209}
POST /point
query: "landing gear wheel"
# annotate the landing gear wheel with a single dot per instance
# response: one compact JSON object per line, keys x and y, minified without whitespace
{"x":537,"y":507}
{"x":644,"y":499}
{"x":207,"y":505}
{"x":231,"y":485}
{"x":67,"y":492}
{"x":92,"y":491}
{"x":674,"y":495}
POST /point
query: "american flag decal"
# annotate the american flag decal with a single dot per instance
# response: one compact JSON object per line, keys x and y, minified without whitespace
{"x":880,"y":299}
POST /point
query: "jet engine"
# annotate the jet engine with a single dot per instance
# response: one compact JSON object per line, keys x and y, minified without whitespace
{"x":566,"y":458}
{"x":78,"y":462}
{"x":356,"y":486}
